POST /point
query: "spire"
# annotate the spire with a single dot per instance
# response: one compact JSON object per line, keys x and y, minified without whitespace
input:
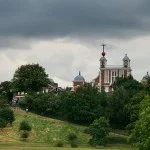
{"x":79,"y":73}
{"x":103,"y":53}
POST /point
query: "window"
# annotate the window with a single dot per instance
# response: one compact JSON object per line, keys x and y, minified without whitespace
{"x":114,"y":75}
{"x":106,"y":76}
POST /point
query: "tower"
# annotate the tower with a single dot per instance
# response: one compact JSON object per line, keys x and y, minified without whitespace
{"x":103,"y":60}
{"x":126,"y":61}
{"x":109,"y":73}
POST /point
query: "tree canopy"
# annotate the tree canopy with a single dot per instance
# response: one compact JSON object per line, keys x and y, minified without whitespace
{"x":85,"y":105}
{"x":5,"y":90}
{"x":29,"y":78}
{"x":140,"y":135}
{"x":131,"y":85}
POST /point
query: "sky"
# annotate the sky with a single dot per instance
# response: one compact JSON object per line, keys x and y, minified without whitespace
{"x":65,"y":36}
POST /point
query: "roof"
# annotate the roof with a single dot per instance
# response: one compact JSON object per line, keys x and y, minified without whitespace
{"x":126,"y":58}
{"x":103,"y":59}
{"x":79,"y":78}
{"x":146,"y":77}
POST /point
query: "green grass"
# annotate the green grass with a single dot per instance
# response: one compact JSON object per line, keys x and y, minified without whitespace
{"x":46,"y":132}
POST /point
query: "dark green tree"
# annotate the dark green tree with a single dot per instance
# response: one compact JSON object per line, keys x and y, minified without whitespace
{"x":44,"y":103}
{"x":119,"y":117}
{"x":29,"y":78}
{"x":133,"y":108}
{"x":131,"y":85}
{"x":140,"y":135}
{"x":99,"y":130}
{"x":5,"y":90}
{"x":84,"y":105}
{"x":8,"y":115}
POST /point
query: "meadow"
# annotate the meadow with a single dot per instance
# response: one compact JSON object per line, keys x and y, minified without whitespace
{"x":47,"y":132}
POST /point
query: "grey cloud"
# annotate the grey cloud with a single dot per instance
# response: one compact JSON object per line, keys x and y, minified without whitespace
{"x":87,"y":19}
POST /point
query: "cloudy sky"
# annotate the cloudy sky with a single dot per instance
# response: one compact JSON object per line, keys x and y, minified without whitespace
{"x":65,"y":36}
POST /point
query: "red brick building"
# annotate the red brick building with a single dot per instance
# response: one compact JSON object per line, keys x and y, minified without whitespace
{"x":78,"y":81}
{"x":108,"y":73}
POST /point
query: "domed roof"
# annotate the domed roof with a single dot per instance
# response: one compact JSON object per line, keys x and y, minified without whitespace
{"x":51,"y":80}
{"x":103,"y":59}
{"x":126,"y":58}
{"x":146,"y":77}
{"x":79,"y":78}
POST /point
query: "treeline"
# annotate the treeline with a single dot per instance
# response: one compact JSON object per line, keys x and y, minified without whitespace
{"x":87,"y":104}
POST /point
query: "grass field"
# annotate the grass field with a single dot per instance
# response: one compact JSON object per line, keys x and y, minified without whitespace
{"x":46,"y":133}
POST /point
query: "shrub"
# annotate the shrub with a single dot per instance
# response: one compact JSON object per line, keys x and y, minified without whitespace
{"x":24,"y":135}
{"x":2,"y":123}
{"x":72,"y":136}
{"x":7,"y":114}
{"x":25,"y":126}
{"x":60,"y":144}
{"x":99,"y":130}
{"x":74,"y":144}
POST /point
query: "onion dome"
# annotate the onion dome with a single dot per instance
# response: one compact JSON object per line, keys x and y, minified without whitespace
{"x":146,"y":77}
{"x":126,"y":58}
{"x":79,"y":78}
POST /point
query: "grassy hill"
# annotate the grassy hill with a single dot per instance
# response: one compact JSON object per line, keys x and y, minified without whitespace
{"x":46,"y":132}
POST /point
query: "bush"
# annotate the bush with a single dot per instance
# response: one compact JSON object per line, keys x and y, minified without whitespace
{"x":60,"y":144}
{"x":2,"y":123}
{"x":72,"y":136}
{"x":7,"y":114}
{"x":24,"y":135}
{"x":99,"y":130}
{"x":25,"y":126}
{"x":74,"y":144}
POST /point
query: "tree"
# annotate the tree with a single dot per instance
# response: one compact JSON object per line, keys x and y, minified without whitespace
{"x":42,"y":103}
{"x":131,"y":85}
{"x":29,"y":78}
{"x":119,"y":117}
{"x":8,"y":115}
{"x":140,"y":135}
{"x":133,"y":108}
{"x":99,"y":130}
{"x":5,"y":90}
{"x":84,"y":105}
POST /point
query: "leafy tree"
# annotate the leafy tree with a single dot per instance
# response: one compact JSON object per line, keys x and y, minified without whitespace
{"x":119,"y":117}
{"x":2,"y":123}
{"x":133,"y":108}
{"x":5,"y":90}
{"x":131,"y":85}
{"x":140,"y":135}
{"x":43,"y":103}
{"x":29,"y":78}
{"x":84,"y":105}
{"x":7,"y":115}
{"x":3,"y":102}
{"x":99,"y":130}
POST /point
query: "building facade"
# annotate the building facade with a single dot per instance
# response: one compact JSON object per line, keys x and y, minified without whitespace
{"x":108,"y":73}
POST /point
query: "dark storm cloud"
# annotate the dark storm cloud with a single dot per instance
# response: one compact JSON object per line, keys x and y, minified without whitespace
{"x":59,"y":18}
